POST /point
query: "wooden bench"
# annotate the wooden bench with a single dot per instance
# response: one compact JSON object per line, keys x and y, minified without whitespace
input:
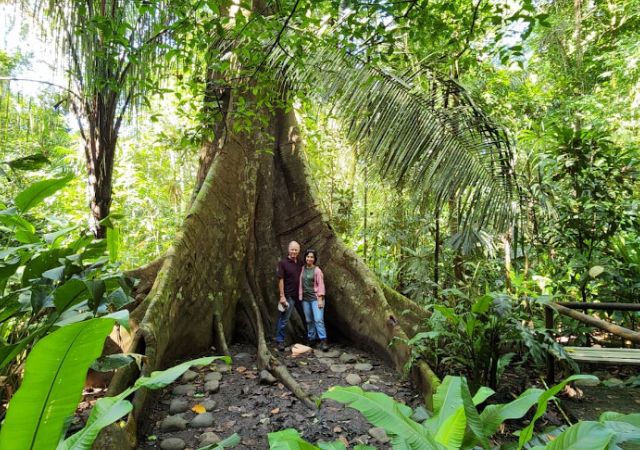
{"x":594,"y":355}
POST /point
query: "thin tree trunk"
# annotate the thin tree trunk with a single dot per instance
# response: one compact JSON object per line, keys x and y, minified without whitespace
{"x":99,"y":154}
{"x":436,"y":255}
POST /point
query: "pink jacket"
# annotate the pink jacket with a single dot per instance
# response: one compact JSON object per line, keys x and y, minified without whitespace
{"x":318,"y":283}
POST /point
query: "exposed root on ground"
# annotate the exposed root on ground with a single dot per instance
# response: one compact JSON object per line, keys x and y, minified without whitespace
{"x":267,"y":361}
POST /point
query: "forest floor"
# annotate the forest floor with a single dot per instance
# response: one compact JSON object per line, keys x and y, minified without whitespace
{"x":211,"y":403}
{"x":237,"y":399}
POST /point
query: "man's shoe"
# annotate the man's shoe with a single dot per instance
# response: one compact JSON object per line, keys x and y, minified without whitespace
{"x":324,"y":346}
{"x":280,"y":346}
{"x":312,"y":343}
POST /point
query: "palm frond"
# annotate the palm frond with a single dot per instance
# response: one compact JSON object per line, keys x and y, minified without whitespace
{"x":425,"y":132}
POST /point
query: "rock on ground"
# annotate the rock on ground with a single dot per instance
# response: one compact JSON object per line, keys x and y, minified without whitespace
{"x":353,"y":379}
{"x":202,"y":420}
{"x":172,"y":444}
{"x":188,"y":376}
{"x":173,"y":423}
{"x":209,"y":438}
{"x":184,"y":389}
{"x":178,"y":405}
{"x":213,"y":376}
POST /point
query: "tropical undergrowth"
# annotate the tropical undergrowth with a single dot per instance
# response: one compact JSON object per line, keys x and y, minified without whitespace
{"x":49,"y":278}
{"x":458,"y":423}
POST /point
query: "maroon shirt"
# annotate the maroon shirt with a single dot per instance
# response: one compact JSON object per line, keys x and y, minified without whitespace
{"x":289,"y":270}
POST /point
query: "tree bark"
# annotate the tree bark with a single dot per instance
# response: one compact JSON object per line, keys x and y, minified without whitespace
{"x":100,"y":149}
{"x":219,"y":279}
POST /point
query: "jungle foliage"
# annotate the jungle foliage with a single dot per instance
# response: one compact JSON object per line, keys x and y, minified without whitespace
{"x":532,"y":196}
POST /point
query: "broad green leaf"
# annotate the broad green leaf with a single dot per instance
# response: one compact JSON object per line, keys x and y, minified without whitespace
{"x":53,"y":238}
{"x":420,"y":414}
{"x":582,"y":436}
{"x":104,"y":412}
{"x":122,"y":319}
{"x":452,"y":394}
{"x":451,"y":432}
{"x":633,"y":419}
{"x":96,"y":289}
{"x":448,"y":313}
{"x":113,"y":243}
{"x":623,"y":431}
{"x":30,"y":162}
{"x":424,"y":335}
{"x":9,"y":352}
{"x":163,"y":378}
{"x":109,"y":409}
{"x":25,"y":236}
{"x":333,"y":445}
{"x":527,"y":432}
{"x":482,"y":394}
{"x":40,"y":190}
{"x":473,"y":418}
{"x":73,"y":316}
{"x":69,"y":294}
{"x":9,"y":305}
{"x":288,"y":439}
{"x":55,"y":274}
{"x":382,"y":411}
{"x":11,"y":218}
{"x":55,"y":372}
{"x":446,"y":402}
{"x":493,"y":415}
{"x":118,"y":298}
{"x":8,"y":268}
{"x":483,"y":304}
{"x":39,"y":264}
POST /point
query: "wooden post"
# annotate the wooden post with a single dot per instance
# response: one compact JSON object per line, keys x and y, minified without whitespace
{"x":548,"y":323}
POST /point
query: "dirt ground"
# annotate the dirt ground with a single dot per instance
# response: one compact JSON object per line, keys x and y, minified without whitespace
{"x":253,"y":409}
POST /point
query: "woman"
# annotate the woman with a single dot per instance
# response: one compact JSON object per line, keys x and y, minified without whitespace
{"x":311,"y":292}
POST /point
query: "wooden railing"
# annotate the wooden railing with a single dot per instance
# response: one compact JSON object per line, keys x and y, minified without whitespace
{"x":631,"y":356}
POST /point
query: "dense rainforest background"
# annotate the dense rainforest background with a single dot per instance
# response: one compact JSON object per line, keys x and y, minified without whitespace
{"x":465,"y":163}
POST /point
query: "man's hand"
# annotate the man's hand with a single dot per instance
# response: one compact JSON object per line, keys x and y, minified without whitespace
{"x":283,"y":301}
{"x":320,"y":302}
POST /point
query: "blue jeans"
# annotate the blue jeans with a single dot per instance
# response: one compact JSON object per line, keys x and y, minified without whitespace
{"x":315,"y":320}
{"x":283,"y":320}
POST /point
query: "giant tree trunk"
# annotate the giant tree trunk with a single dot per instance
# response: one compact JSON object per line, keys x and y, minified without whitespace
{"x":220,"y":271}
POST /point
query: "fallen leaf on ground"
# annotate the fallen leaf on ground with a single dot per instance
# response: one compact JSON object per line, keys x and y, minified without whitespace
{"x":337,"y":429}
{"x":198,"y":409}
{"x":241,"y":369}
{"x":275,"y":410}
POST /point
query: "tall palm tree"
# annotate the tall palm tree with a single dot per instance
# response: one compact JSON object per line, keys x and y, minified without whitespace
{"x":111,"y":52}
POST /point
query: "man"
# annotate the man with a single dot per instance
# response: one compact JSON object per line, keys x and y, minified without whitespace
{"x":289,"y":269}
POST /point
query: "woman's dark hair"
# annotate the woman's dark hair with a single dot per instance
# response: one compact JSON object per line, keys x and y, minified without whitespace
{"x":311,"y":252}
